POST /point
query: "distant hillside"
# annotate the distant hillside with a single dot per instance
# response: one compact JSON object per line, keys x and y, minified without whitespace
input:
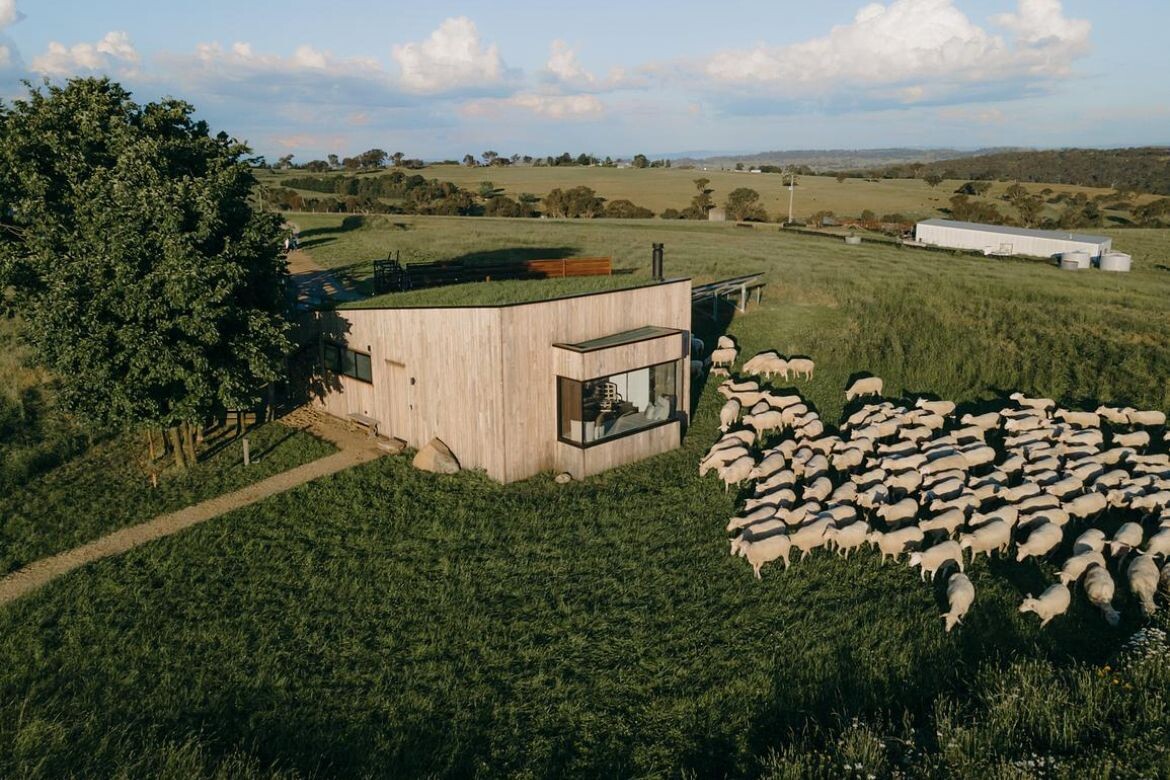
{"x":1143,"y":169}
{"x":833,"y":159}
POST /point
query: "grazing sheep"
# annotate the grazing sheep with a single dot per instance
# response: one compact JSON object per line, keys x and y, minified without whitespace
{"x":731,"y":386}
{"x":945,"y":463}
{"x":720,"y":458}
{"x":987,"y":422}
{"x":945,"y":490}
{"x":810,"y":536}
{"x":766,"y":550}
{"x":757,"y":531}
{"x":870,"y":385}
{"x":1039,"y":503}
{"x":720,"y":371}
{"x":941,"y":408}
{"x":785,"y":478}
{"x":846,"y":492}
{"x":901,"y":512}
{"x":1099,"y":588}
{"x":1113,"y":415}
{"x":737,"y":471}
{"x":1138,"y":439}
{"x":841,"y":514}
{"x":811,"y":429}
{"x":1092,"y":539}
{"x":1151,"y":419}
{"x":697,"y":346}
{"x":1043,"y":540}
{"x":755,"y":515}
{"x":819,"y":490}
{"x":1053,"y":602}
{"x":1080,"y":419}
{"x":769,"y":466}
{"x":724,"y":357}
{"x":1084,"y":506}
{"x":960,"y":596}
{"x":847,"y":460}
{"x":1142,"y":574}
{"x":979,"y":455}
{"x":906,"y":482}
{"x":725,"y":342}
{"x":1076,"y":565}
{"x":1039,"y":404}
{"x":1054,"y":515}
{"x":777,"y":499}
{"x":934,"y":558}
{"x":696,"y":369}
{"x":1006,"y":514}
{"x":1127,"y":537}
{"x":847,"y":538}
{"x":995,"y":535}
{"x":763,"y":423}
{"x":1064,"y":488}
{"x":873,"y":496}
{"x":964,"y":503}
{"x":729,"y":414}
{"x":1159,"y":543}
{"x":801,"y":367}
{"x":1026,"y":423}
{"x":894,"y":543}
{"x":949,"y":521}
{"x":754,"y":363}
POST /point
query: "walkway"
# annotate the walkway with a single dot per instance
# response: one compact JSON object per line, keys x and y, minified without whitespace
{"x":317,"y":285}
{"x":354,"y":448}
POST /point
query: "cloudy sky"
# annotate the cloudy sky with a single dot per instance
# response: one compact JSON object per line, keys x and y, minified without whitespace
{"x":439,"y":79}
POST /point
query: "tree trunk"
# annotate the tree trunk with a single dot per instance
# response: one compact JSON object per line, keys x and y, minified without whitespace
{"x":177,"y":447}
{"x":189,"y":444}
{"x":150,"y":444}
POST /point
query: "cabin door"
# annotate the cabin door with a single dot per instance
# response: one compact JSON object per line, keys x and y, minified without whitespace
{"x":401,"y":402}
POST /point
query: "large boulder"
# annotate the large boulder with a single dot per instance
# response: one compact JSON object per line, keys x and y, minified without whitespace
{"x":436,"y":457}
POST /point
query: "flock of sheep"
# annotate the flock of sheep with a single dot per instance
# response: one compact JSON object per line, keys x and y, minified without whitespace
{"x":933,"y":483}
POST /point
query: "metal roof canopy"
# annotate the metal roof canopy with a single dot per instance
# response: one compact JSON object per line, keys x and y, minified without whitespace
{"x":620,"y":339}
{"x":1006,"y":230}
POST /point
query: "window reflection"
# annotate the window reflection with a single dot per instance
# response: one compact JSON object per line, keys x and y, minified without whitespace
{"x":607,"y":407}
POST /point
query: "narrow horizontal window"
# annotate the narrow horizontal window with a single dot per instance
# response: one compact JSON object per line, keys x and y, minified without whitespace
{"x":342,"y":360}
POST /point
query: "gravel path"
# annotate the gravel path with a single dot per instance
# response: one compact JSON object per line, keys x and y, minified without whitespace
{"x":354,"y":448}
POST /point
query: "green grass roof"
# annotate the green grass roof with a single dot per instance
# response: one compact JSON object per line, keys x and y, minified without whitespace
{"x":500,"y":293}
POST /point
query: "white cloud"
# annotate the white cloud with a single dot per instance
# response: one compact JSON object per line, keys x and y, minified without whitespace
{"x":979,"y":116}
{"x":563,"y":64}
{"x":8,"y":13}
{"x":112,"y":52}
{"x":914,"y":42}
{"x":548,"y":106}
{"x":451,"y":58}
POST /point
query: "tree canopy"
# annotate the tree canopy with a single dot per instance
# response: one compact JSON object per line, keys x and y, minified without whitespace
{"x":145,"y":279}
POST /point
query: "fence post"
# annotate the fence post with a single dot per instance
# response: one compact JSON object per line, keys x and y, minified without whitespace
{"x":247,"y":452}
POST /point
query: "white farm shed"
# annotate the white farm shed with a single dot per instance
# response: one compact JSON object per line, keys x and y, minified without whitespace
{"x":1004,"y":240}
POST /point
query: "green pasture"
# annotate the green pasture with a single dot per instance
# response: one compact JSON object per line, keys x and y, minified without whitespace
{"x":387,"y":623}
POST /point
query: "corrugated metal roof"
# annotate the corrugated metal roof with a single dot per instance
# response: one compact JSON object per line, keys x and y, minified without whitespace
{"x":1005,"y":230}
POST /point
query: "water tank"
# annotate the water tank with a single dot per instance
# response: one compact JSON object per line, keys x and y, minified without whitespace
{"x":853,"y":240}
{"x":1116,"y":261}
{"x":1078,"y":258}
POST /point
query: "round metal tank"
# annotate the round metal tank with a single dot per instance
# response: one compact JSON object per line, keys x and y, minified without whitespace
{"x":1076,"y":259}
{"x":1116,"y":261}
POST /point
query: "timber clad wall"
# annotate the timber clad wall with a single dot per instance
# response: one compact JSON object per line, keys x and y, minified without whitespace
{"x":484,"y":378}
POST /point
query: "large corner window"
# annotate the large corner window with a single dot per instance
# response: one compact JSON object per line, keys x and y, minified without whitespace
{"x":596,"y":410}
{"x":342,"y":360}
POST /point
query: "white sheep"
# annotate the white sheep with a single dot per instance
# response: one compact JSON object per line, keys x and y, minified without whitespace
{"x":1064,"y":488}
{"x":870,"y":385}
{"x":763,"y":423}
{"x":1040,"y":404}
{"x":988,"y":421}
{"x":848,"y":459}
{"x":1005,"y":514}
{"x":1076,"y":565}
{"x":1053,"y":602}
{"x":996,"y":535}
{"x":945,"y":463}
{"x":1054,"y":515}
{"x":811,"y":535}
{"x":755,"y":362}
{"x":801,"y":367}
{"x":1142,"y":574}
{"x":1138,"y":439}
{"x":751,"y":516}
{"x":945,"y":489}
{"x":1159,"y":543}
{"x":941,"y":408}
{"x":1092,"y":539}
{"x":720,"y":371}
{"x":766,"y":550}
{"x":1041,"y":503}
{"x":1113,"y":415}
{"x":980,"y":455}
{"x":934,"y":558}
{"x":949,"y":521}
{"x":777,"y":499}
{"x":785,"y":478}
{"x":894,"y":543}
{"x":729,"y":414}
{"x":737,"y":471}
{"x":724,"y":357}
{"x":725,"y":342}
{"x":873,"y":496}
{"x":1043,"y":540}
{"x":1080,"y":419}
{"x":1152,"y":419}
{"x":845,"y":539}
{"x":757,"y":531}
{"x":960,"y":596}
{"x":1125,"y":538}
{"x":1082,"y":507}
{"x":964,"y":503}
{"x":819,"y":490}
{"x":720,"y":458}
{"x":769,"y":466}
{"x":901,"y":512}
{"x":845,"y":493}
{"x":906,"y":481}
{"x":1099,"y":588}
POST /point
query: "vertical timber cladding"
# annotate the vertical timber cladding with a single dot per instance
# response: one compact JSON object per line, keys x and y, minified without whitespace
{"x":528,"y":334}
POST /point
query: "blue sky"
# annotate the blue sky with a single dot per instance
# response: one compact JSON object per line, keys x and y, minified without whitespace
{"x":441,"y":79}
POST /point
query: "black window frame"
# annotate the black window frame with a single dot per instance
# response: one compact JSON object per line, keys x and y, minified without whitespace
{"x":335,"y":360}
{"x":675,"y":417}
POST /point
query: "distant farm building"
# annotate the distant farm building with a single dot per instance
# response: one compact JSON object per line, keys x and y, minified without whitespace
{"x":575,"y":384}
{"x":1004,"y":240}
{"x":717,"y":215}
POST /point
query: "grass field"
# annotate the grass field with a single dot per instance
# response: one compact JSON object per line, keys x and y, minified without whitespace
{"x":385,"y":622}
{"x":661,"y":188}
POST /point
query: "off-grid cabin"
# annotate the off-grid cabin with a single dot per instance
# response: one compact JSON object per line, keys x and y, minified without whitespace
{"x":1005,"y":240}
{"x":580,"y":383}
